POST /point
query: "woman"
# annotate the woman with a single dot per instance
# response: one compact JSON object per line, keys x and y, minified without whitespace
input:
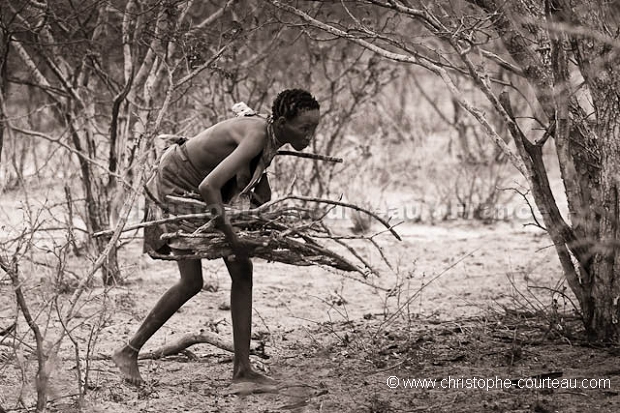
{"x":233,"y":151}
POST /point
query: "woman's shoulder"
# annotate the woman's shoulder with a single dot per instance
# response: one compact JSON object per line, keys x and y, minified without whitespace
{"x":245,"y":126}
{"x":235,"y":129}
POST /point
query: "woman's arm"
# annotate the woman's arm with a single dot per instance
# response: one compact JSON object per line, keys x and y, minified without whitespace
{"x":210,"y":187}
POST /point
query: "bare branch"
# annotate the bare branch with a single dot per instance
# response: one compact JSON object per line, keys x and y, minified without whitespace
{"x":31,"y":65}
{"x":123,"y":217}
{"x":502,"y":62}
{"x":477,"y":113}
{"x":67,"y":147}
{"x":342,"y":34}
{"x":151,"y":54}
{"x":212,"y":18}
{"x":128,"y":20}
{"x":12,"y":269}
{"x":188,"y":340}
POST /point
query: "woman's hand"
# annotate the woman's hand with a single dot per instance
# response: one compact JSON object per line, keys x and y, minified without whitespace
{"x":239,"y":250}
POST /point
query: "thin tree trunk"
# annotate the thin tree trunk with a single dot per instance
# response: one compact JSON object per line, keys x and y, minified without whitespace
{"x":96,"y":210}
{"x":4,"y":51}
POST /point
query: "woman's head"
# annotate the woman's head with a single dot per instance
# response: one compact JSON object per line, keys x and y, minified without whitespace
{"x":295,"y":114}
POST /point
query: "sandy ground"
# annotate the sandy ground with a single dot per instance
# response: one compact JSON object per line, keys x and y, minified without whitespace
{"x":333,"y":341}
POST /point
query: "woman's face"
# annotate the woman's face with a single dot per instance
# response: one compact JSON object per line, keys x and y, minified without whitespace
{"x":300,"y":130}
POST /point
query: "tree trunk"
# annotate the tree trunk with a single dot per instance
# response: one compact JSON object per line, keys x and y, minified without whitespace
{"x":602,"y":319}
{"x":588,"y":144}
{"x":110,"y":271}
{"x":4,"y":49}
{"x":97,"y":204}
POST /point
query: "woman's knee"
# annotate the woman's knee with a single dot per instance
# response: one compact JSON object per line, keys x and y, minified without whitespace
{"x":192,"y":285}
{"x":240,"y":270}
{"x":191,"y":275}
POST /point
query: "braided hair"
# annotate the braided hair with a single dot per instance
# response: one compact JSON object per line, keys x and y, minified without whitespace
{"x":290,"y":102}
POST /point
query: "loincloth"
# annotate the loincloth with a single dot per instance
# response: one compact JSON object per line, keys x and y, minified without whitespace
{"x":175,"y":175}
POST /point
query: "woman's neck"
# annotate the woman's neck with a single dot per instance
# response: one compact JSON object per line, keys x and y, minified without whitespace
{"x":273,"y":137}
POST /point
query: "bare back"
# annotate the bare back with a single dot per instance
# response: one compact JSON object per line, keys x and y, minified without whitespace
{"x":211,"y":146}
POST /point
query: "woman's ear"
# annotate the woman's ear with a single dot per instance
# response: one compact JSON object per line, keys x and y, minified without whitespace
{"x":279,"y":122}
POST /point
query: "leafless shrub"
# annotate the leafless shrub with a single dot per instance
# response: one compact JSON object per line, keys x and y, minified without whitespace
{"x":36,"y":256}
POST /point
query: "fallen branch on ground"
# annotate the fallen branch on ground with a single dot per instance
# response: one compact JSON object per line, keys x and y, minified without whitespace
{"x":189,"y":340}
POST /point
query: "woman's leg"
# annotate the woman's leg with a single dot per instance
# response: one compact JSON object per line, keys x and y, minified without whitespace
{"x":190,"y":284}
{"x":240,"y":271}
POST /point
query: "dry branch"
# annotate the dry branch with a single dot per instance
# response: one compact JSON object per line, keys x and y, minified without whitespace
{"x":189,"y":340}
{"x":43,"y":373}
{"x":275,"y":232}
{"x":311,"y":156}
{"x":283,"y":230}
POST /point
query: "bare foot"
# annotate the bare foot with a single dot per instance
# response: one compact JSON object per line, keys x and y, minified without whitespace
{"x":126,"y":360}
{"x":251,"y":382}
{"x":251,"y":376}
{"x":245,"y":388}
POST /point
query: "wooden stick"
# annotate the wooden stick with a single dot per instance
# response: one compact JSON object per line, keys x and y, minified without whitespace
{"x":233,"y":213}
{"x":206,"y":215}
{"x":311,"y":156}
{"x":338,"y":203}
{"x":190,"y":339}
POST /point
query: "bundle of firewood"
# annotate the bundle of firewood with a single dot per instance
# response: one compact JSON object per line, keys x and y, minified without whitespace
{"x":288,"y":230}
